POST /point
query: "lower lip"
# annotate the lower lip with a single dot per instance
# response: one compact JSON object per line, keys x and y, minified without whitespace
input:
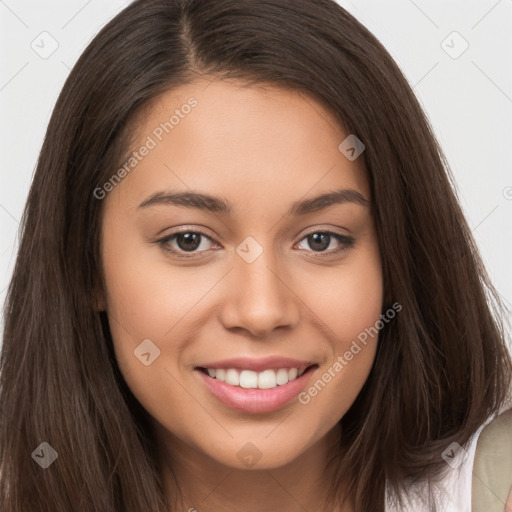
{"x":255,"y":400}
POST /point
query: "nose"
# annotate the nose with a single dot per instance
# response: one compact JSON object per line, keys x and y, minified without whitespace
{"x":259,"y":299}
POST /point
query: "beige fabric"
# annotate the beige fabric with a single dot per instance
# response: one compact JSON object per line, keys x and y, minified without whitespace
{"x":492,"y":469}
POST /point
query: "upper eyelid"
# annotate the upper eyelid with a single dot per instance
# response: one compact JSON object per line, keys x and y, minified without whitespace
{"x":203,"y":233}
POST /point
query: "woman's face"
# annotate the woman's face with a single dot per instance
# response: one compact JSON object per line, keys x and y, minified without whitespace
{"x":276,"y":274}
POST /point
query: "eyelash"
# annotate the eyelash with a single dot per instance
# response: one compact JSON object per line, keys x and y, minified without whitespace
{"x":346,"y":241}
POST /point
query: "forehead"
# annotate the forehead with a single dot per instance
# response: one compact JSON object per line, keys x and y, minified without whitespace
{"x":224,"y":136}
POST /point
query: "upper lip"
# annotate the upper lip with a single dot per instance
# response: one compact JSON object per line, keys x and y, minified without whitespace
{"x":257,"y":365}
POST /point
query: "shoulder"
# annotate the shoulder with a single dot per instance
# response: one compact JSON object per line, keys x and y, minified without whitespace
{"x":500,"y":425}
{"x":492,"y":470}
{"x":495,"y":439}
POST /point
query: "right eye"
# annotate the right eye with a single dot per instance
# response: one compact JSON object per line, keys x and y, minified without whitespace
{"x":186,"y":241}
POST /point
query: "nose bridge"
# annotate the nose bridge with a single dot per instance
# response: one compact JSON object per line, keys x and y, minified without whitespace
{"x":260,"y":299}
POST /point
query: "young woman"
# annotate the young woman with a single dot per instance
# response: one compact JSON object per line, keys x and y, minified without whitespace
{"x":244,"y":280}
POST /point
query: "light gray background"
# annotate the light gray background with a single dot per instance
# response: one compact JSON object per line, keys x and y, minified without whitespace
{"x":468,"y":99}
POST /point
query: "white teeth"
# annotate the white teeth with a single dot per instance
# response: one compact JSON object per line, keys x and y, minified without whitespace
{"x":282,"y":376}
{"x":232,"y":377}
{"x":267,"y":379}
{"x":249,"y":379}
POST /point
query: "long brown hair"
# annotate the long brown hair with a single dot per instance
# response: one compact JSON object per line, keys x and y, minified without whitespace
{"x":442,"y":366}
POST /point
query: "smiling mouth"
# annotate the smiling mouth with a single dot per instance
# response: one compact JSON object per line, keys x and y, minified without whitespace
{"x":248,"y":379}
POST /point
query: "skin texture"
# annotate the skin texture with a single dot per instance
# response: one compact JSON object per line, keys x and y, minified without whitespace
{"x":261,"y":149}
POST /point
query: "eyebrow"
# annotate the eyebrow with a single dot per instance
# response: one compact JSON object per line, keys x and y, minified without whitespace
{"x":220,"y":205}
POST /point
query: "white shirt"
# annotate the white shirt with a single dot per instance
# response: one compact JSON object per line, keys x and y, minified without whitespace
{"x":453,"y":492}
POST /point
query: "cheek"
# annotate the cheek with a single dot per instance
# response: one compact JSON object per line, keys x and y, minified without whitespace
{"x":147,"y":298}
{"x":355,"y":303}
{"x":349,"y":307}
{"x":348,"y":299}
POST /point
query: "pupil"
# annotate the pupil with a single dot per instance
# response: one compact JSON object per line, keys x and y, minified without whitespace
{"x":188,"y":238}
{"x":315,"y":241}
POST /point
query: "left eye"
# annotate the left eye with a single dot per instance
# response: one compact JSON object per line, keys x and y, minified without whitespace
{"x":321,"y":240}
{"x":190,"y":241}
